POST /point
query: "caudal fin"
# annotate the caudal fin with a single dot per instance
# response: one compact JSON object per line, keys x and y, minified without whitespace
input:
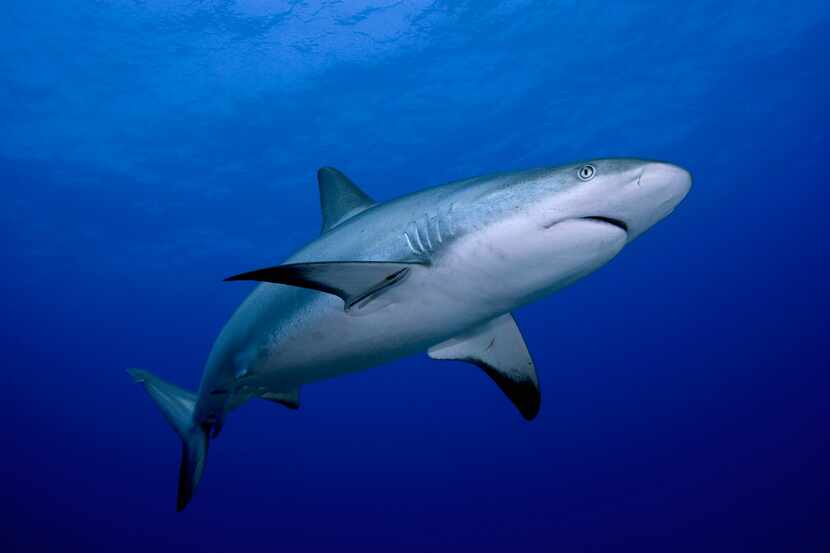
{"x":177,"y":406}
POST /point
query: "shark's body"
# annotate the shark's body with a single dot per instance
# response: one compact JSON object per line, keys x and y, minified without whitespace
{"x":438,"y":270}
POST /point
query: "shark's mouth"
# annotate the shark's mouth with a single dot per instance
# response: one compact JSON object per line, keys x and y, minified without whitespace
{"x":618,"y":223}
{"x":608,"y":220}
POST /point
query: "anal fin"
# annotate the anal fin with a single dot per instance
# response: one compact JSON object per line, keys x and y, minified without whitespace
{"x":290,"y":398}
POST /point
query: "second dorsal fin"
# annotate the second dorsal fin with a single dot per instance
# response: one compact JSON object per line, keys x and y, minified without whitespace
{"x":340,"y":198}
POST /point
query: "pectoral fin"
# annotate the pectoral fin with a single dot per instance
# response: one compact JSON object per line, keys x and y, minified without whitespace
{"x":499,"y":349}
{"x":356,"y":282}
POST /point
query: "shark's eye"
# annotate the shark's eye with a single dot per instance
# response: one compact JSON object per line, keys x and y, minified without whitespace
{"x":586,"y":172}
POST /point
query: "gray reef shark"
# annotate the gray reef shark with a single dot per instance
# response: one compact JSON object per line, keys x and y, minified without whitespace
{"x":439,"y":271}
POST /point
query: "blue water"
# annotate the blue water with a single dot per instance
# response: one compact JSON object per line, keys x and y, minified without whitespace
{"x":149,"y":149}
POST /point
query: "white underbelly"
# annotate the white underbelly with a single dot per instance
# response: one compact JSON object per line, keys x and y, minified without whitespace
{"x":472,"y":282}
{"x":423,"y":310}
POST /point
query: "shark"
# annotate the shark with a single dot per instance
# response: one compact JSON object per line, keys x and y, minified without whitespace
{"x":440,"y":271}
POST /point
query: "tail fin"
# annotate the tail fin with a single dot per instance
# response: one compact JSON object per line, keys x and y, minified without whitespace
{"x":177,"y":405}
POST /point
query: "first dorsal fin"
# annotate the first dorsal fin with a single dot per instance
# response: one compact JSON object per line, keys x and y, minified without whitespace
{"x":340,"y":198}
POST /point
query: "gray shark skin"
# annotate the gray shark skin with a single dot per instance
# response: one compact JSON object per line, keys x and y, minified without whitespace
{"x":439,"y":270}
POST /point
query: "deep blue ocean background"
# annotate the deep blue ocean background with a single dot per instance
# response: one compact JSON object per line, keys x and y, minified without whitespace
{"x":148,"y":149}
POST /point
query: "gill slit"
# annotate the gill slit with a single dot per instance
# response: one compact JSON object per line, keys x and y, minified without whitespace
{"x":409,"y":243}
{"x":426,"y":232}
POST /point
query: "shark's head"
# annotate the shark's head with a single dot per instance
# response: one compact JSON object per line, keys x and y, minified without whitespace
{"x":555,"y":226}
{"x":630,"y":194}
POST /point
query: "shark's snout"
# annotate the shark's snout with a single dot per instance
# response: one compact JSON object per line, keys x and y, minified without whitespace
{"x":653,"y":191}
{"x":674,"y":181}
